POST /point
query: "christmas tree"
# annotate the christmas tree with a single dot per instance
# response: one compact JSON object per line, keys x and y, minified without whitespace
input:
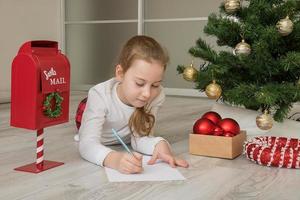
{"x":262,"y":69}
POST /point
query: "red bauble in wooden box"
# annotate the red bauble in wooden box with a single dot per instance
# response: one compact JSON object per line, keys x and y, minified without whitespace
{"x":204,"y":126}
{"x":229,"y":126}
{"x":213,"y":116}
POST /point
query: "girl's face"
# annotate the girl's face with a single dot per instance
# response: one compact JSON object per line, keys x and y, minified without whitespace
{"x":140,"y":84}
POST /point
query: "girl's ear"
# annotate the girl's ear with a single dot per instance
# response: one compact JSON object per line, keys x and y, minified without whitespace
{"x":119,"y":73}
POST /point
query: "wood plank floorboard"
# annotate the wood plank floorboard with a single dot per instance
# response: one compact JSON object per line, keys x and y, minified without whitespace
{"x":206,"y":178}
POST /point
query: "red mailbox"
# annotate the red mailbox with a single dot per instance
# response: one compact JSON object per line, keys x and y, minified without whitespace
{"x":40,"y":90}
{"x":40,"y":74}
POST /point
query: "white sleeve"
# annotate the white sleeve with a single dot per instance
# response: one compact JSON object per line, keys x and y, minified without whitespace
{"x":93,"y":118}
{"x":147,"y":144}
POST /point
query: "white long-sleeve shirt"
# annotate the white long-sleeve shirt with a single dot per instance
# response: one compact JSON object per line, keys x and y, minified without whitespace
{"x":104,"y":111}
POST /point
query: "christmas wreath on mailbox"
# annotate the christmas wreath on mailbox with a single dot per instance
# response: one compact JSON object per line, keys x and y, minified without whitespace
{"x":56,"y":112}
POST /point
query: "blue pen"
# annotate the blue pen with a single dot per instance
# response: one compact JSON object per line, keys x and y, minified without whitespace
{"x":121,"y":141}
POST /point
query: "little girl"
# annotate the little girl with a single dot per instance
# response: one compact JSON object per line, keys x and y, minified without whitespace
{"x":129,"y":103}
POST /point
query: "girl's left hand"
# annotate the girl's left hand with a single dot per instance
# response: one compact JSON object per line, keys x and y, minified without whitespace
{"x":162,"y":151}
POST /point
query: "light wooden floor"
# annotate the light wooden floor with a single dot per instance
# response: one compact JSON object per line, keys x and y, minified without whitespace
{"x":207,"y":178}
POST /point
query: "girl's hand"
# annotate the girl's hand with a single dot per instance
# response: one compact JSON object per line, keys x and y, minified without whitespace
{"x":162,"y":151}
{"x":124,"y":162}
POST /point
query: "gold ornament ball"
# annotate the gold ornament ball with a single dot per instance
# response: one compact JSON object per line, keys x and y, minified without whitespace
{"x":264,"y":121}
{"x":231,"y":6}
{"x":285,"y":26}
{"x":213,"y":90}
{"x":242,"y":48}
{"x":190,"y":73}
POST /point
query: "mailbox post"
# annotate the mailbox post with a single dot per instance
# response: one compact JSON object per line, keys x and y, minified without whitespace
{"x":40,"y":90}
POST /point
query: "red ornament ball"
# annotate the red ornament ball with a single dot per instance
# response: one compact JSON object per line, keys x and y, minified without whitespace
{"x":228,"y":134}
{"x":79,"y":112}
{"x":229,"y":125}
{"x":213,"y":116}
{"x":218,"y":131}
{"x":204,"y":126}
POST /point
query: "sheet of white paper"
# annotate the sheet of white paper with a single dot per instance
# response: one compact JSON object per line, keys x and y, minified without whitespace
{"x":158,"y":172}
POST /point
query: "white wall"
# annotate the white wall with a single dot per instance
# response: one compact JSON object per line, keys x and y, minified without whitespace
{"x":23,"y":20}
{"x":93,"y":38}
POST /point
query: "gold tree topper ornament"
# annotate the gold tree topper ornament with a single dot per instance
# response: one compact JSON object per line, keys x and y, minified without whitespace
{"x":264,"y":121}
{"x":213,"y":90}
{"x":190,"y":73}
{"x":242,"y":48}
{"x":285,"y":26}
{"x":231,"y":6}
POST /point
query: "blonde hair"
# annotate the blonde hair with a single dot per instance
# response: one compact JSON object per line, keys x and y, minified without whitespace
{"x":147,"y":49}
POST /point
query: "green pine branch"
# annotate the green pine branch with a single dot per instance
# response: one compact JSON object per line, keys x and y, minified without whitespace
{"x":226,"y":30}
{"x":268,"y":78}
{"x":204,"y":51}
